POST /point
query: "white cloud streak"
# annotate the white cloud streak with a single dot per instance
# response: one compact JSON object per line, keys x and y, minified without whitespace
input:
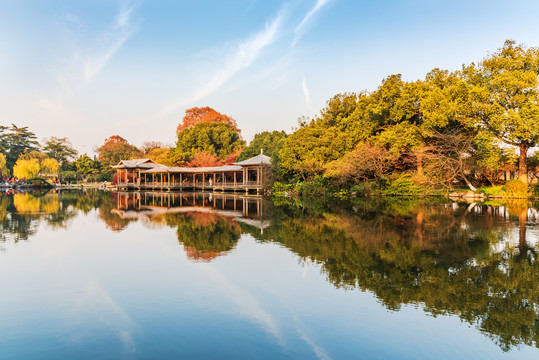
{"x":300,"y":29}
{"x":110,"y":42}
{"x":245,"y":54}
{"x":307,"y":95}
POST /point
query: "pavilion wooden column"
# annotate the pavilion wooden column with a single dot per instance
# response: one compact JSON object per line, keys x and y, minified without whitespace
{"x":194,"y":180}
{"x":234,"y":187}
{"x":213,"y":179}
{"x":203,"y":179}
{"x":168,"y":179}
{"x":181,"y":179}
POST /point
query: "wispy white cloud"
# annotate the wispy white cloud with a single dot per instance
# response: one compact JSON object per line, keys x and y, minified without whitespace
{"x":300,"y":29}
{"x":123,"y":17}
{"x":92,"y":48}
{"x":307,"y":95}
{"x":108,"y":44}
{"x":88,"y":52}
{"x":243,"y":56}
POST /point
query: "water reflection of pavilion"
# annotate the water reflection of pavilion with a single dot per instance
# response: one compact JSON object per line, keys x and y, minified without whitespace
{"x":147,"y":204}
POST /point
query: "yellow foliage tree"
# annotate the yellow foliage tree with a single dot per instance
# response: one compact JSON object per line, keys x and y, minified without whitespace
{"x":25,"y":169}
{"x":49,"y":167}
{"x":35,"y":163}
{"x":3,"y":168}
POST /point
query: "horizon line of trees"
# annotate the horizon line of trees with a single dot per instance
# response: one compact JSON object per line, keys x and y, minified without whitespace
{"x":466,"y":127}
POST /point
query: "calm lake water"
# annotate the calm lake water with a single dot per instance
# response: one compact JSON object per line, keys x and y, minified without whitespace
{"x":102,"y":275}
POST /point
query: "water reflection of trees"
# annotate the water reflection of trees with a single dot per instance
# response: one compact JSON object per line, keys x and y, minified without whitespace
{"x":204,"y":235}
{"x":449,"y":259}
{"x":21,"y":213}
{"x":474,"y":261}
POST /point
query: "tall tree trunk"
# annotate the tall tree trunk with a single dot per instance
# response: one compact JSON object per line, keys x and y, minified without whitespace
{"x":522,"y":164}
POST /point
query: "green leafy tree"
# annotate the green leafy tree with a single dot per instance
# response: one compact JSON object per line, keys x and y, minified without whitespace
{"x":492,"y":158}
{"x":504,"y":97}
{"x":328,"y":137}
{"x":86,"y":166}
{"x":16,"y":141}
{"x":211,"y":137}
{"x":60,"y":149}
{"x":266,"y":141}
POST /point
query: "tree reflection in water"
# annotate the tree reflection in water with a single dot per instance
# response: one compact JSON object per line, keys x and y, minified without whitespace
{"x":449,"y":259}
{"x":474,"y":261}
{"x":205,"y":235}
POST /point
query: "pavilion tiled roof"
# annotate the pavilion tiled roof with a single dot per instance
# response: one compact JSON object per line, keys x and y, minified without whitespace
{"x":257,"y":160}
{"x":136,"y":164}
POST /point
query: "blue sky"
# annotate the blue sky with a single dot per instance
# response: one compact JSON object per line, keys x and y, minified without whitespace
{"x":88,"y":70}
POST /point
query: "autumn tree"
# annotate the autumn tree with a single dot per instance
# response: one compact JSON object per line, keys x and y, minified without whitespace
{"x":204,"y":159}
{"x":114,"y":149}
{"x":504,"y":97}
{"x":365,"y":162}
{"x":34,"y":163}
{"x":3,"y":168}
{"x":149,"y":146}
{"x":206,"y":114}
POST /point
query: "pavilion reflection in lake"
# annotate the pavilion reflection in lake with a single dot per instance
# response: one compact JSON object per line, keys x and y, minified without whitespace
{"x":246,"y":209}
{"x":207,"y":224}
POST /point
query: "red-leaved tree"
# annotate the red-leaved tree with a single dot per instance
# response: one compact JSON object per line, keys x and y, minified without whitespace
{"x":198,"y":115}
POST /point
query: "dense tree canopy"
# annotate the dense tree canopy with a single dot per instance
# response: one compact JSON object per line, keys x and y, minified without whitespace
{"x":114,"y":149}
{"x":266,"y":141}
{"x":450,"y":127}
{"x":34,"y":163}
{"x":14,"y":141}
{"x":60,"y":149}
{"x":205,"y":114}
{"x":86,"y":166}
{"x":504,"y":95}
{"x":213,"y":138}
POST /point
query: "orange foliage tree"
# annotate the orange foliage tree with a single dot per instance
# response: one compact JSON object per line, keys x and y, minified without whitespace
{"x":198,"y":115}
{"x":204,"y":159}
{"x":114,"y":149}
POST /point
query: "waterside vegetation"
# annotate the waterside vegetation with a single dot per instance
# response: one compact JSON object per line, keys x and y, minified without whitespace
{"x":469,"y":132}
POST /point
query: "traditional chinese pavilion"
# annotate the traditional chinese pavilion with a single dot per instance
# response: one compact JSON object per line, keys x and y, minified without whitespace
{"x":247,"y":176}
